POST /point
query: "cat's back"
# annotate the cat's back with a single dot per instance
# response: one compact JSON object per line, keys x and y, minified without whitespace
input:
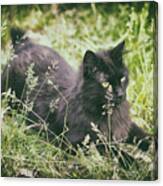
{"x":45,"y":63}
{"x":44,"y":59}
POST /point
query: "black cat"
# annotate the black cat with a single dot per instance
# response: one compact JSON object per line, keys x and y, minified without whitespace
{"x":78,"y":98}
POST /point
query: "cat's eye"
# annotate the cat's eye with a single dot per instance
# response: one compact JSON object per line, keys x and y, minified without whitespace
{"x":105,"y":84}
{"x":123,"y":79}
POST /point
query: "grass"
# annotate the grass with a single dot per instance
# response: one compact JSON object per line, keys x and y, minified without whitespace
{"x":71,"y":31}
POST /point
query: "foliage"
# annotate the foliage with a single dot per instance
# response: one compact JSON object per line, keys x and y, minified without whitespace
{"x":71,"y":30}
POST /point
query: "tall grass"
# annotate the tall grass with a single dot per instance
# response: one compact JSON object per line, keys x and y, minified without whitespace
{"x":71,"y":32}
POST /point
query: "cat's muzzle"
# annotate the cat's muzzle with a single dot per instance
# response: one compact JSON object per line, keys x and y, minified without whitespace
{"x":112,"y":99}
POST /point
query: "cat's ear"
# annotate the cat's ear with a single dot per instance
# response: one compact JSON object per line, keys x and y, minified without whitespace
{"x":89,"y":62}
{"x":117,"y":53}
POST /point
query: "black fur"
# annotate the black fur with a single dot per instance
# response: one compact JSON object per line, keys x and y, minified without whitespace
{"x":80,"y":95}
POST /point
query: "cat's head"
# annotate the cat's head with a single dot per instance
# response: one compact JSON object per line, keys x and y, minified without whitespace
{"x":107,"y":68}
